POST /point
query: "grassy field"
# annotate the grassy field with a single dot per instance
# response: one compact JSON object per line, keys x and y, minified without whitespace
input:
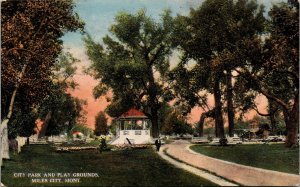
{"x":138,"y":167}
{"x":268,"y":156}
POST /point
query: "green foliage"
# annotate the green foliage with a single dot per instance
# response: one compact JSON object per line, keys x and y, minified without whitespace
{"x":31,"y":34}
{"x":163,"y":114}
{"x":240,"y":125}
{"x":176,"y":124}
{"x":119,"y":106}
{"x":82,"y":128}
{"x":208,"y":129}
{"x":272,"y":64}
{"x":22,"y":122}
{"x":63,"y":71}
{"x":213,"y":35}
{"x":101,"y":127}
{"x":261,"y":119}
{"x":61,"y":111}
{"x":65,"y":111}
{"x":125,"y":63}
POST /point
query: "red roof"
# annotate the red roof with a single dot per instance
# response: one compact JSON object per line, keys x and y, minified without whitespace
{"x":133,"y":113}
{"x":76,"y":132}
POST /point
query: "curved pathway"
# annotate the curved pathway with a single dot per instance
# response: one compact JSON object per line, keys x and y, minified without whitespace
{"x":244,"y":175}
{"x":215,"y":179}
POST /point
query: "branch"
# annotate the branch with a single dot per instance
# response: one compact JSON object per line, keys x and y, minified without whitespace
{"x":203,"y":101}
{"x":261,"y":114}
{"x":154,"y":57}
{"x":262,"y":91}
{"x":12,"y":100}
{"x":292,"y":73}
{"x":26,"y":50}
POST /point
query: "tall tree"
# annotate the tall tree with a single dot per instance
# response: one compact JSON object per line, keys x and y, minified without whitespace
{"x":274,"y":68}
{"x":175,"y":122}
{"x":210,"y":35}
{"x":22,"y":122}
{"x":30,"y":36}
{"x":101,"y":127}
{"x":190,"y":86}
{"x":133,"y":62}
{"x":60,"y":112}
{"x":59,"y":109}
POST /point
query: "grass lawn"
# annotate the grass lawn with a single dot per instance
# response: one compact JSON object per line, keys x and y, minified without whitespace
{"x":268,"y":156}
{"x":137,"y":167}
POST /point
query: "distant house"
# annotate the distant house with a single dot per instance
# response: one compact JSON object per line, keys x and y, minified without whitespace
{"x":77,"y":134}
{"x":259,"y":129}
{"x":133,"y":127}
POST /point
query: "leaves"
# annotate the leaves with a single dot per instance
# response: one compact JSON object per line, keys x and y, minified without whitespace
{"x":127,"y":61}
{"x":30,"y":33}
{"x":101,"y":127}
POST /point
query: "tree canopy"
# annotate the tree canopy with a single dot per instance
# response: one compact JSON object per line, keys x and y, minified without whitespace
{"x":101,"y":126}
{"x":31,"y":34}
{"x":211,"y":35}
{"x":132,"y":63}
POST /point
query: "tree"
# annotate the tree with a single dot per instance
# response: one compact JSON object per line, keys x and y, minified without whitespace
{"x":59,"y":110}
{"x":165,"y":110}
{"x":127,"y":62}
{"x":30,"y":33}
{"x":22,"y":122}
{"x":83,"y":129}
{"x":274,"y":67}
{"x":176,"y":123}
{"x":101,"y":127}
{"x":211,"y":35}
{"x":189,"y":87}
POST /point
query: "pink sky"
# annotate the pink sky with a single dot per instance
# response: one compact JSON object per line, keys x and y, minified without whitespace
{"x":84,"y":91}
{"x":87,"y":83}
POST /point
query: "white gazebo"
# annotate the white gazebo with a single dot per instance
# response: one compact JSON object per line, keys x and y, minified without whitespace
{"x":132,"y":127}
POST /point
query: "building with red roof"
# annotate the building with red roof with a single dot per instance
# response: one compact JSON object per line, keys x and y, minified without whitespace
{"x":133,"y":113}
{"x":133,"y":127}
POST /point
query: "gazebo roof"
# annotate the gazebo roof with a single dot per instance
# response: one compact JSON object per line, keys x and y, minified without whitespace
{"x":133,"y":113}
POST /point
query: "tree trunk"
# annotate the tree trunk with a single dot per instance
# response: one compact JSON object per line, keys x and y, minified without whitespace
{"x":230,"y":110}
{"x":154,"y":122}
{"x":201,"y":124}
{"x":45,"y":125}
{"x":292,"y":123}
{"x":152,"y":91}
{"x":3,"y":128}
{"x":218,"y":110}
{"x":4,"y":149}
{"x":205,"y":115}
{"x":272,"y":107}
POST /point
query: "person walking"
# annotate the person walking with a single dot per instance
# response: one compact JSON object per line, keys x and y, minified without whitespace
{"x":158,"y":144}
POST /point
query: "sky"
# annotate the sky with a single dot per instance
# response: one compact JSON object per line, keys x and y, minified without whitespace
{"x":98,"y":16}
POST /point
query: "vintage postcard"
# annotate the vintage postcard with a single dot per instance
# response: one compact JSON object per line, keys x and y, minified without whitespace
{"x":149,"y":93}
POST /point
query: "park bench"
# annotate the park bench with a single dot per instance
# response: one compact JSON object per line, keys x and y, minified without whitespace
{"x":215,"y":141}
{"x":199,"y":140}
{"x":40,"y":141}
{"x":233,"y":140}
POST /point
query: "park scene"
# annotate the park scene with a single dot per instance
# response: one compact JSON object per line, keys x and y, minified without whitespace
{"x":149,"y":93}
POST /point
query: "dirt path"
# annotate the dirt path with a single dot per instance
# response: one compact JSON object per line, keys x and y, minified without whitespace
{"x":244,"y":175}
